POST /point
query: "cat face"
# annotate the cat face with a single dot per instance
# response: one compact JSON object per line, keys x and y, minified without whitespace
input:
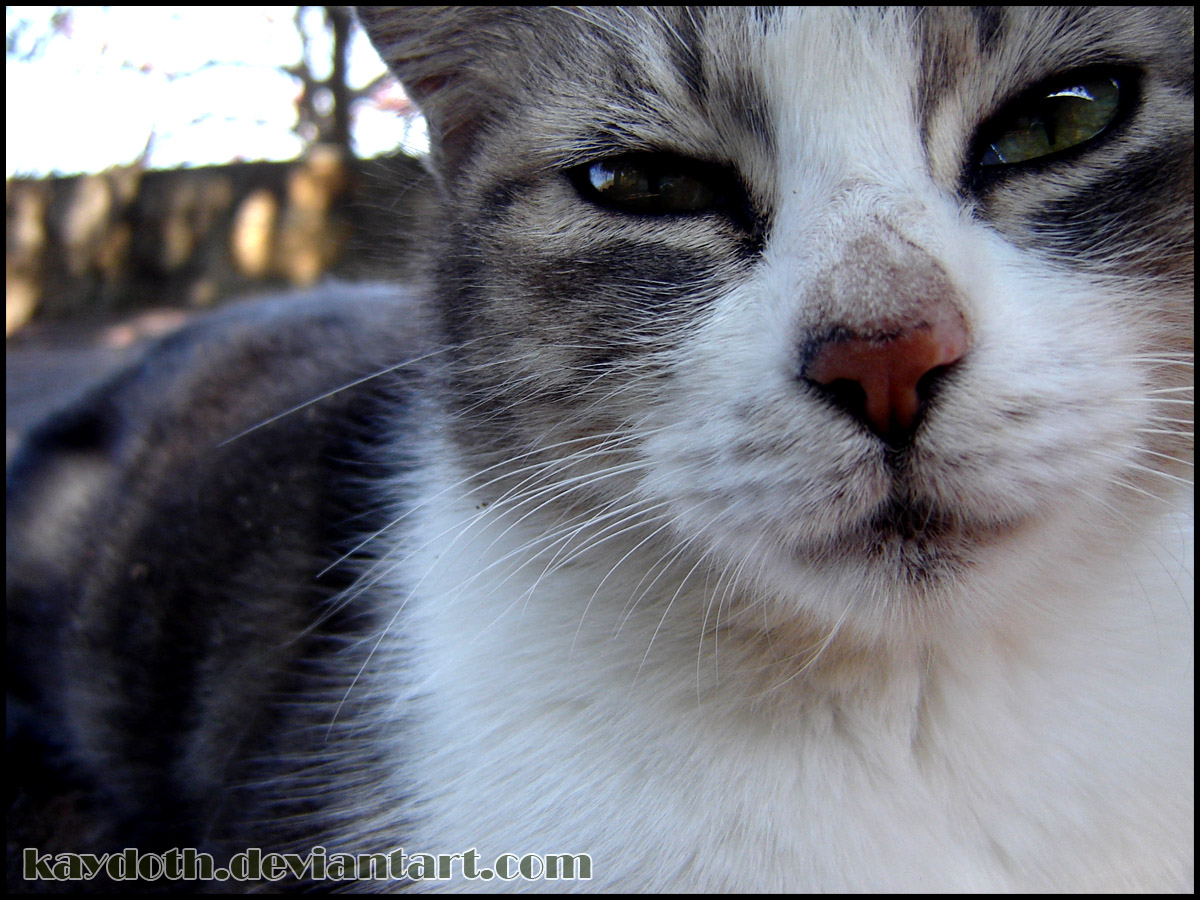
{"x":850,"y":306}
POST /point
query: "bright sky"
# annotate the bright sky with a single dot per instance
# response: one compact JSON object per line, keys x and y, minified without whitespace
{"x":205,"y":81}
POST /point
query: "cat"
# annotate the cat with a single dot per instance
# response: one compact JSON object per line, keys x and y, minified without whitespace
{"x":780,"y":480}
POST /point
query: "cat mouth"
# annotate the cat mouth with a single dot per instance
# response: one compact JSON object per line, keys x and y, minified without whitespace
{"x":907,"y":519}
{"x":916,"y":540}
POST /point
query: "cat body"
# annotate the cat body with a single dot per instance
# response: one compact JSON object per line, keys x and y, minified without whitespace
{"x":795,"y":496}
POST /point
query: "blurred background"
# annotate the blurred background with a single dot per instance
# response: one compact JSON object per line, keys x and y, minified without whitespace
{"x":165,"y":87}
{"x":164,"y":160}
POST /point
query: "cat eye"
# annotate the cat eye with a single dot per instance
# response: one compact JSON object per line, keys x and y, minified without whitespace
{"x":1050,"y":120}
{"x":656,"y":184}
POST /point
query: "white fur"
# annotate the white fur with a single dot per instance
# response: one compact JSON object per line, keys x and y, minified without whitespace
{"x":557,"y":717}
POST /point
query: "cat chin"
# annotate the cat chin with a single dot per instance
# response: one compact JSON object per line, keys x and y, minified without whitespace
{"x":881,"y":586}
{"x":905,"y":535}
{"x":895,"y":578}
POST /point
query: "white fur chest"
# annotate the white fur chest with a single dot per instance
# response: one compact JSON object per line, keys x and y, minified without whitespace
{"x":570,"y":705}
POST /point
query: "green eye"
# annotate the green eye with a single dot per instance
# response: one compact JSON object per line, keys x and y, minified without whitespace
{"x":656,"y":184}
{"x":1043,"y":124}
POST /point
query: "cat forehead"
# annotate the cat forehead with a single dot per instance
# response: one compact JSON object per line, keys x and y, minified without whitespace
{"x":705,"y":45}
{"x":697,"y":79}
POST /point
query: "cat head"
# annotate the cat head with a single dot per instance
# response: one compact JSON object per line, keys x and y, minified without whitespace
{"x":850,"y":305}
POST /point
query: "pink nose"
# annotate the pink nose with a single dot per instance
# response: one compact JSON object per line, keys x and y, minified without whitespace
{"x":886,"y":381}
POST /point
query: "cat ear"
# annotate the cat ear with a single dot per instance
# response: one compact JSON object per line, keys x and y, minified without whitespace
{"x":457,"y":63}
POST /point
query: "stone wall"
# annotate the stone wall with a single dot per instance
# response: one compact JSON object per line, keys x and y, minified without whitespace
{"x":95,"y":245}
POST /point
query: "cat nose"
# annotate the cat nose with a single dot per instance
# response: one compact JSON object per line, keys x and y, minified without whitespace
{"x":885,"y":380}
